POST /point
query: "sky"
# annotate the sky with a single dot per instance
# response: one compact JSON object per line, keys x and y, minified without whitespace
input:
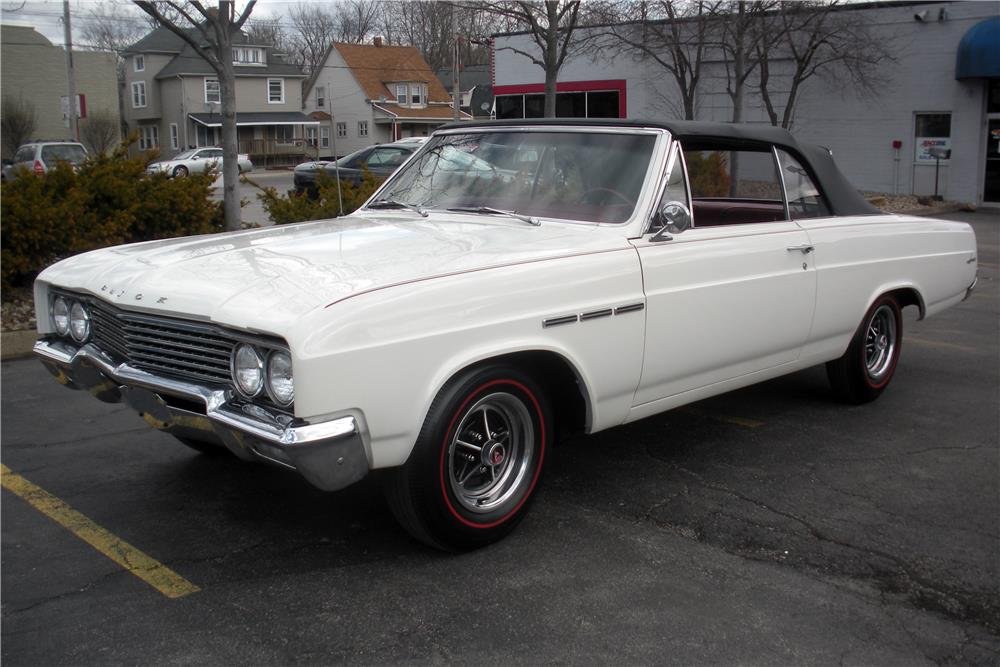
{"x":46,"y":15}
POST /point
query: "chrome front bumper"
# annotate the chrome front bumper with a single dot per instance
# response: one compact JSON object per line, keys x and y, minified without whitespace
{"x":329,"y":454}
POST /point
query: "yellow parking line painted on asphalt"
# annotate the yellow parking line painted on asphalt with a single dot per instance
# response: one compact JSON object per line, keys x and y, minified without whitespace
{"x":726,"y":419}
{"x":939,"y":343}
{"x":154,"y":573}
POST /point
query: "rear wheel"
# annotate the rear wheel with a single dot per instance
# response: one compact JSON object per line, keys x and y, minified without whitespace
{"x":863,"y":373}
{"x":477,"y":461}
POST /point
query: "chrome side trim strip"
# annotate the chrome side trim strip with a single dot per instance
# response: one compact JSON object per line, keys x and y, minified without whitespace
{"x":630,"y":308}
{"x":556,"y":321}
{"x":594,"y":314}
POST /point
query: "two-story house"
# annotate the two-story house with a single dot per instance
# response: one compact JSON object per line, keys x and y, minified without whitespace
{"x":175,"y":102}
{"x":373,"y":93}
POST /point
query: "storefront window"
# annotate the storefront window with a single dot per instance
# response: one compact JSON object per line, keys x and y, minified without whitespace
{"x":931,"y":130}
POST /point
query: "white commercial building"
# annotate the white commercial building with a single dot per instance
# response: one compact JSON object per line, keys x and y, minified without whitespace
{"x":942,"y":90}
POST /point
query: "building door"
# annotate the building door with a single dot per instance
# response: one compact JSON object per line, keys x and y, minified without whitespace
{"x":991,"y":180}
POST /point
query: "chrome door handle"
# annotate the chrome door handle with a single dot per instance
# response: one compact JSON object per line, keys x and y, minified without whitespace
{"x":804,"y":249}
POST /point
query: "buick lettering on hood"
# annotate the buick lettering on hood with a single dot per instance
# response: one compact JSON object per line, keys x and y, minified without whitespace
{"x":512,"y":283}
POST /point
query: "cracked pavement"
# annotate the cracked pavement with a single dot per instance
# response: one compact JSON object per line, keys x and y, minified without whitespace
{"x":766,"y":526}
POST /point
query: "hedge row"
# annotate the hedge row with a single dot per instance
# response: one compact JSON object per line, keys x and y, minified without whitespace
{"x":109,"y":200}
{"x":294,"y":207}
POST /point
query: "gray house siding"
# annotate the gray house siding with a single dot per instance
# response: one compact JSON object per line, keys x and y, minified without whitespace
{"x":345,"y":101}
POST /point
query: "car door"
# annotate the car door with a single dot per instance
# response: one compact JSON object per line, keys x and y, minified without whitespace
{"x":732,"y":296}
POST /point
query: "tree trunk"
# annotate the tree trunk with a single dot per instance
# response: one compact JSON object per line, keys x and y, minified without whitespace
{"x":230,"y":159}
{"x":551,"y":57}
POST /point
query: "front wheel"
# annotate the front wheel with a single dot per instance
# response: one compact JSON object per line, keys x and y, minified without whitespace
{"x":477,"y":461}
{"x":865,"y":370}
{"x":180,"y":172}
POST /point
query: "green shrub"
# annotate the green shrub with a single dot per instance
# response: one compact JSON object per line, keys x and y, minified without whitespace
{"x":110,"y":200}
{"x":294,"y":207}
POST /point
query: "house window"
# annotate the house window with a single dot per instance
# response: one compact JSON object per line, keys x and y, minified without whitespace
{"x":341,"y":129}
{"x":324,"y":137}
{"x":206,"y":136}
{"x":138,"y":94}
{"x":247,"y":55}
{"x":362,"y":128}
{"x":213,"y":93}
{"x":416,"y":94}
{"x":174,"y":137}
{"x":275,"y":91}
{"x":311,"y":136}
{"x":139,"y":63}
{"x":284,"y":134}
{"x":931,"y":131}
{"x":148,"y":137}
{"x":320,"y":96}
{"x":400,"y":93}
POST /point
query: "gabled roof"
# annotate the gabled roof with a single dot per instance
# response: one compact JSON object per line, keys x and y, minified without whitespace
{"x":374,"y":67}
{"x":189,"y":62}
{"x":160,"y":40}
{"x":436,"y":112}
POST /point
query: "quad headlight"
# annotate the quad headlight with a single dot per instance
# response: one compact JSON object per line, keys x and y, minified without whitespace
{"x":257,"y":370}
{"x":60,"y":315}
{"x":280,"y":384}
{"x":70,"y":318}
{"x":79,"y":322}
{"x":248,"y":370}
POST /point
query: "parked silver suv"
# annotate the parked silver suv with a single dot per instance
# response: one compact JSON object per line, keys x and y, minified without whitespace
{"x":40,"y":156}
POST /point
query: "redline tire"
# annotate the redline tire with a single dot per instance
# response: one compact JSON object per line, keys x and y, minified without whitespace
{"x":477,"y":462}
{"x":865,"y":370}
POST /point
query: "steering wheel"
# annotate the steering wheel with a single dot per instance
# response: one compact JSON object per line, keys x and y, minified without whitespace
{"x":625,"y":200}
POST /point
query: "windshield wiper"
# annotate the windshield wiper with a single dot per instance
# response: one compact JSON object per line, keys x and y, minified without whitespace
{"x":392,"y":203}
{"x":486,"y":209}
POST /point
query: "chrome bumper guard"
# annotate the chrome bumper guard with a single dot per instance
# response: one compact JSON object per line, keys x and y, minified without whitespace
{"x":330,"y":454}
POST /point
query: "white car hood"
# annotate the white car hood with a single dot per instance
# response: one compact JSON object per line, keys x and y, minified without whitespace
{"x":265,"y":279}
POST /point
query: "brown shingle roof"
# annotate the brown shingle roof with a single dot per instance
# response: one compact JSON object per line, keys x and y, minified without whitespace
{"x":376,"y":66}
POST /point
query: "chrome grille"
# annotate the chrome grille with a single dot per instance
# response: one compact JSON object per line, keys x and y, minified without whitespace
{"x":162,"y":345}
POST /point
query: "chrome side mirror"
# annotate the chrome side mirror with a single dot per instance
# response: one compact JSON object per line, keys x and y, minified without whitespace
{"x":673,"y":217}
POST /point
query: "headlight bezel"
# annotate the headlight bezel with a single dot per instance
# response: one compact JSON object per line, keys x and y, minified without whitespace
{"x":271,"y":392}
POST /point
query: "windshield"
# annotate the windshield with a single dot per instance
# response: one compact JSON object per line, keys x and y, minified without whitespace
{"x":588,"y":176}
{"x":72,"y":153}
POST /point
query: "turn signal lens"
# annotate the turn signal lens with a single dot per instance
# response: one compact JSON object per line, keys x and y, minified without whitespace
{"x":248,"y":370}
{"x":280,"y":385}
{"x":79,"y":322}
{"x":60,"y":315}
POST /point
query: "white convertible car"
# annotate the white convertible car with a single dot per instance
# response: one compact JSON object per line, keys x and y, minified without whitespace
{"x":511,"y":283}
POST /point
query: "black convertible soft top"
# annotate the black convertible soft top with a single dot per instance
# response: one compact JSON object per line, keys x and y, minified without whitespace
{"x":843,"y":198}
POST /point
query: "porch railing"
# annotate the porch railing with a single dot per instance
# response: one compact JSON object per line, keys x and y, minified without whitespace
{"x":266,"y":153}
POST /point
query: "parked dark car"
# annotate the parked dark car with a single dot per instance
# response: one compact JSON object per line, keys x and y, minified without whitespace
{"x":381,"y":160}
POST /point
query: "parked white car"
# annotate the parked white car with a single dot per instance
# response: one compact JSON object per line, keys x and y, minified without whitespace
{"x":195,"y":161}
{"x":595,"y":273}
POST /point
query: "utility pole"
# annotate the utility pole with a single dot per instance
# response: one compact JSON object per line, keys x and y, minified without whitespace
{"x":456,"y":94}
{"x":74,"y":125}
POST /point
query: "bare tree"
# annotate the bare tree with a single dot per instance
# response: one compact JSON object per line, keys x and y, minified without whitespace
{"x":211,"y":33}
{"x":673,"y":36}
{"x":268,"y":32}
{"x":313,"y":29}
{"x":103,"y":27}
{"x":551,"y":25}
{"x":357,"y":20}
{"x":18,"y":121}
{"x":806,"y":39}
{"x":101,"y":132}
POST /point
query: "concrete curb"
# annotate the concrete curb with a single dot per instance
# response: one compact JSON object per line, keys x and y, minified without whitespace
{"x":17,"y":344}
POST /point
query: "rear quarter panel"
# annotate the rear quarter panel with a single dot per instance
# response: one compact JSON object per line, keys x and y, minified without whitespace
{"x":859,"y":258}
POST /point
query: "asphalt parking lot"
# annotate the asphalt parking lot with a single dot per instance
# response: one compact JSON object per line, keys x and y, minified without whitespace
{"x":766,"y":526}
